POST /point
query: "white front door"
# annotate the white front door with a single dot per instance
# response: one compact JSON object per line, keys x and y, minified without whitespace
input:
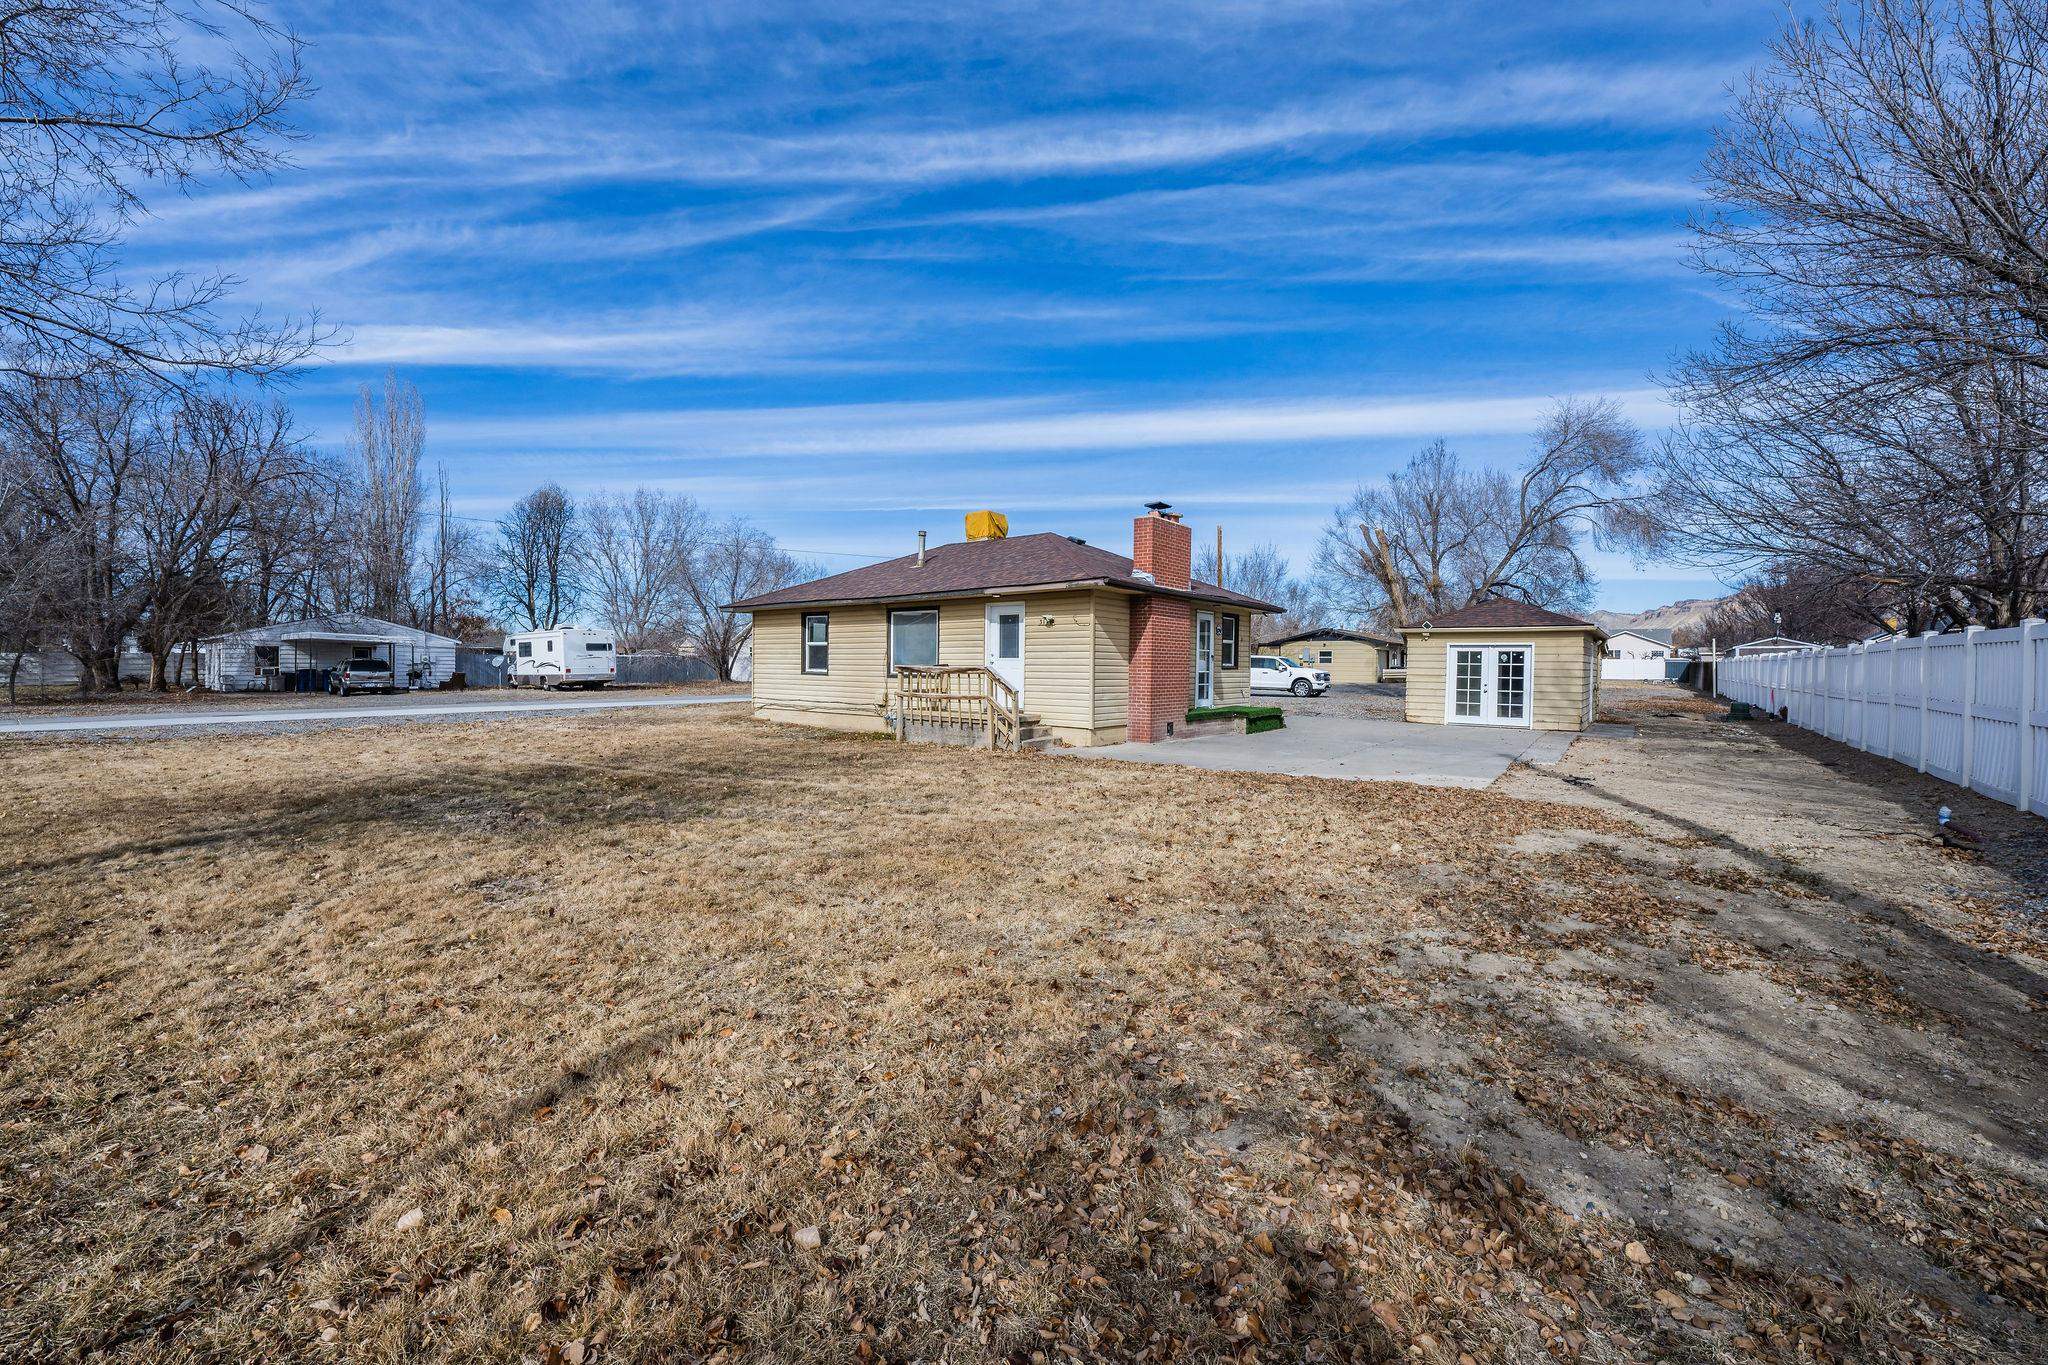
{"x":1205,"y":659}
{"x":1487,"y":684}
{"x":1006,"y":644}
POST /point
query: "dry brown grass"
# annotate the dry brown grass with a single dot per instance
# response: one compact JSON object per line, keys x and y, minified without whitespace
{"x":50,"y":702}
{"x":556,"y":1041}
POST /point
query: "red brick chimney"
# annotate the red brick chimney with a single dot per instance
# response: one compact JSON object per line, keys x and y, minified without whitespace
{"x":1162,"y":547}
{"x":1162,"y":628}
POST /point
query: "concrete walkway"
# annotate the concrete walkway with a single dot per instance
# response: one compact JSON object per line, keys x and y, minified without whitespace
{"x":1357,"y":749}
{"x":399,"y":710}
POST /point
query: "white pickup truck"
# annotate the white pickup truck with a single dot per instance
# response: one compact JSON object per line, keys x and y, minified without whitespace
{"x":1278,"y":673}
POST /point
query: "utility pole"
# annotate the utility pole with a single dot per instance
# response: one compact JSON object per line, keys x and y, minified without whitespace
{"x":1219,"y":554}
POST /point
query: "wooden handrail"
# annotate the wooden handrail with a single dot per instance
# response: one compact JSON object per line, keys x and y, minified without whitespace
{"x":970,"y":696}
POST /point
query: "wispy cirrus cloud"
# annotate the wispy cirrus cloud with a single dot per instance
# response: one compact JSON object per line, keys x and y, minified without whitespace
{"x":1038,"y":425}
{"x":900,"y":255}
{"x":899,"y":150}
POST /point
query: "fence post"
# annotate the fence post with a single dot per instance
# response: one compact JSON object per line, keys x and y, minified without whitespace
{"x":1863,"y":698}
{"x":1970,"y":634}
{"x":2027,"y":628}
{"x":1891,"y":700}
{"x":1925,"y":636}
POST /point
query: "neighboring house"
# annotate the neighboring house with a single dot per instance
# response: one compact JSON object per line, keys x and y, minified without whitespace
{"x":47,"y":668}
{"x":296,"y":656}
{"x":1100,"y":647}
{"x":1773,"y":644}
{"x":1349,"y":656}
{"x":1639,"y":653}
{"x":1503,"y":662}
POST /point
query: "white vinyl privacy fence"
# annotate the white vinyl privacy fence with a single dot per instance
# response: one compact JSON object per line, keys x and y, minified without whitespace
{"x":1969,"y":707}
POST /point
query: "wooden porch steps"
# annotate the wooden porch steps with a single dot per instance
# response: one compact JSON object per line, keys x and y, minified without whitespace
{"x":1033,"y":735}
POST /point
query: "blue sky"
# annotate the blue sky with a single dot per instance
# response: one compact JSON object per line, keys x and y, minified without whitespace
{"x":855,"y":269}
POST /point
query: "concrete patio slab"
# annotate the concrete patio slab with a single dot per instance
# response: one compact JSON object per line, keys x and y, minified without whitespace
{"x":1356,"y":749}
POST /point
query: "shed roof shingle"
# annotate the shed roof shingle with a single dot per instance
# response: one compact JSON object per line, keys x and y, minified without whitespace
{"x":1501,"y":613}
{"x":984,"y":566}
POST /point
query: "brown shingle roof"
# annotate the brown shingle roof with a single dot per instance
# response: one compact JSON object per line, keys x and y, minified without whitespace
{"x":983,"y":566}
{"x":1500,"y":613}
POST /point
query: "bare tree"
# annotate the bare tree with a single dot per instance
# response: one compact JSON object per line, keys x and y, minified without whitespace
{"x":1879,"y":188}
{"x":1435,"y":536}
{"x":386,"y":444}
{"x":34,"y":564}
{"x":1877,"y":198}
{"x":451,"y":565}
{"x":533,"y":573}
{"x":735,"y":560}
{"x":200,"y":494}
{"x":1263,"y":572}
{"x":97,"y":99}
{"x":636,"y":553}
{"x":82,"y":451}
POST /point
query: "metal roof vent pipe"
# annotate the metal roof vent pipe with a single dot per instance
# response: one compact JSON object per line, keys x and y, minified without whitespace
{"x":920,"y":549}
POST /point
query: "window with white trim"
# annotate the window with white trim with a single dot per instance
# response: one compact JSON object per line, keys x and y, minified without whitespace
{"x":817,"y":642}
{"x":1227,"y":643}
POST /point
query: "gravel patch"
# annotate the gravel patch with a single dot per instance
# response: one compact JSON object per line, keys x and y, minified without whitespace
{"x":1359,"y":701}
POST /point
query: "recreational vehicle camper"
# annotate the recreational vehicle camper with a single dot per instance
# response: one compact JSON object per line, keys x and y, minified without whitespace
{"x":563,"y":657}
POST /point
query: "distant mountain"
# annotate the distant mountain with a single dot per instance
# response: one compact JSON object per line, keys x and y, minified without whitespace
{"x":1677,"y":616}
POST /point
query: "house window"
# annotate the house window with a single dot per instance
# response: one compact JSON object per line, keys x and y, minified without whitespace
{"x":817,"y":642}
{"x":913,"y":639}
{"x":1228,"y":642}
{"x":265,"y":656}
{"x":365,"y":652}
{"x":1323,"y":657}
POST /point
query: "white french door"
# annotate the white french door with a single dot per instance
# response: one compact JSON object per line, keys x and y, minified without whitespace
{"x":1205,"y":658}
{"x":1487,"y":684}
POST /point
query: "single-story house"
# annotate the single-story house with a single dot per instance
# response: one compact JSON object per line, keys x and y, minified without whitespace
{"x":1502,"y":662}
{"x":1772,"y":644}
{"x":1642,"y":653}
{"x":1100,"y":647}
{"x":1349,"y":656}
{"x":296,"y":656}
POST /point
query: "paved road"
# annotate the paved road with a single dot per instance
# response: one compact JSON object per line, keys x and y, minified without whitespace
{"x":252,"y":715}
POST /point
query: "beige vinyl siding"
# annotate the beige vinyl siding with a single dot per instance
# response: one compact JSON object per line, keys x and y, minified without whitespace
{"x":850,"y":694}
{"x":1059,"y":662}
{"x":1557,"y":691}
{"x":1351,"y":661}
{"x":1112,"y":636}
{"x":1233,"y":685}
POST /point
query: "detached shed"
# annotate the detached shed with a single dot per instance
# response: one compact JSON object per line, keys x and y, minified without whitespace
{"x":297,"y":655}
{"x":1503,"y":662}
